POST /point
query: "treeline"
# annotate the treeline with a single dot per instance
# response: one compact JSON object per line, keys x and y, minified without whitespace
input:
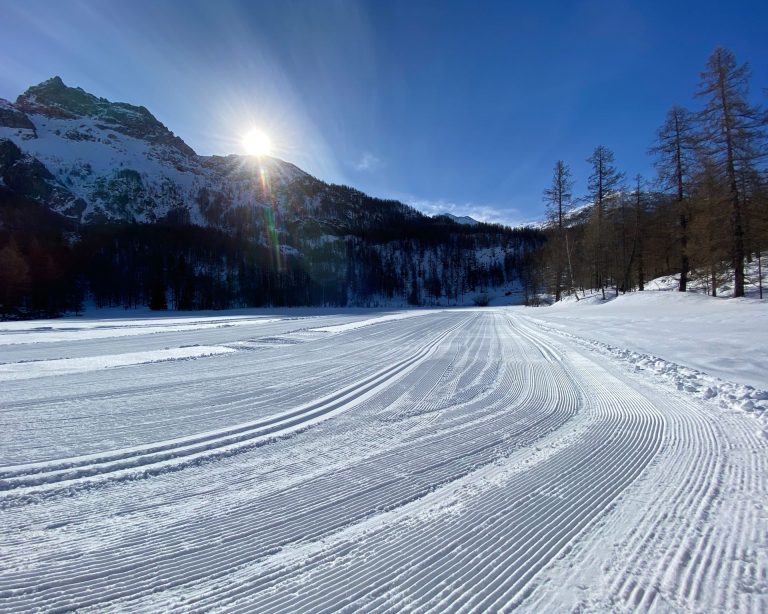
{"x":38,"y":269}
{"x":49,"y":266}
{"x":706,"y":212}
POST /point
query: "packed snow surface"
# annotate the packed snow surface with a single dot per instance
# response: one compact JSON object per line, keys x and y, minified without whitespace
{"x":459,"y":460}
{"x":727,"y":338}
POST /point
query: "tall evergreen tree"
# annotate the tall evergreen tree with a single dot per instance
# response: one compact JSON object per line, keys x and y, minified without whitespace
{"x":558,"y":198}
{"x":734,"y":132}
{"x":675,"y":148}
{"x":604,"y":181}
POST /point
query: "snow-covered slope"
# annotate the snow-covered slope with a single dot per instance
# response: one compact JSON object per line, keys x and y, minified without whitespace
{"x":726,"y":338}
{"x":121,"y":163}
{"x":712,"y":348}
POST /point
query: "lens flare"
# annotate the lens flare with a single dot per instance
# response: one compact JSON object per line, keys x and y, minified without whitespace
{"x":257,"y":143}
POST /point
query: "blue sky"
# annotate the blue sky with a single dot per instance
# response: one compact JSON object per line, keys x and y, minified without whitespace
{"x":450,"y":106}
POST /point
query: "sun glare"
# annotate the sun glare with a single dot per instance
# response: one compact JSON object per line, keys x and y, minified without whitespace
{"x":257,"y":143}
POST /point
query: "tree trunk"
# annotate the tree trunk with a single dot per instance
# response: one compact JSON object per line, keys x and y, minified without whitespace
{"x":570,"y":266}
{"x":738,"y":249}
{"x":684,"y":263}
{"x":680,"y":203}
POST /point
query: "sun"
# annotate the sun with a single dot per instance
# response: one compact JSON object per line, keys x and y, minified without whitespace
{"x":257,"y":143}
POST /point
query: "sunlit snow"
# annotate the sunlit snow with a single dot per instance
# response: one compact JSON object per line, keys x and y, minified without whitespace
{"x":439,"y":460}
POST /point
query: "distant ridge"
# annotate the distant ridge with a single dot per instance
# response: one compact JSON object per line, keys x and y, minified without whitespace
{"x":464,"y":219}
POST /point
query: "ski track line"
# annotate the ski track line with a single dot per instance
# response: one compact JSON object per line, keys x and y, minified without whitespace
{"x":377,"y":472}
{"x":410,"y":602}
{"x":292,"y":605}
{"x":674,"y":557}
{"x":495,"y":457}
{"x":149,"y":459}
{"x":179,"y":402}
{"x":498,"y":537}
{"x":347,"y":581}
{"x":313,"y":515}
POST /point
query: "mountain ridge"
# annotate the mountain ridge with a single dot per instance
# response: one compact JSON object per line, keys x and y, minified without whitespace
{"x":240,"y":230}
{"x":54,"y":99}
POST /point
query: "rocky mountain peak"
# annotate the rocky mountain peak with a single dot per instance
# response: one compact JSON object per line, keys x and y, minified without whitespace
{"x":53,"y":98}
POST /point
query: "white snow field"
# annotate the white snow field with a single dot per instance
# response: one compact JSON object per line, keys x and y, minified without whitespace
{"x":433,"y":461}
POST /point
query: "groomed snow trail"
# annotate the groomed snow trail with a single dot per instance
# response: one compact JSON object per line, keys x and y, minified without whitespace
{"x":449,"y":461}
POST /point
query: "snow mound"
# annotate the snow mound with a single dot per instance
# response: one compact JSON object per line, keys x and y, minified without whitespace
{"x":727,"y":395}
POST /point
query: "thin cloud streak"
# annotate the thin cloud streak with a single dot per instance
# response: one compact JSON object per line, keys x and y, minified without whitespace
{"x":368,"y":162}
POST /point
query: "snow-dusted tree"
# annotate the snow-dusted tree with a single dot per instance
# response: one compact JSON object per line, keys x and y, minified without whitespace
{"x":675,"y":148}
{"x":603,"y":183}
{"x":735,"y":137}
{"x":559,"y":198}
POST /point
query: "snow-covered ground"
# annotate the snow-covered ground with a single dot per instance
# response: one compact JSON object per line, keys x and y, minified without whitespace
{"x":714,"y":348}
{"x":441,"y":460}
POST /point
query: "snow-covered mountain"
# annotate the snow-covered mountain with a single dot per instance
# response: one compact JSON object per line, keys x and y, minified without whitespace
{"x":114,"y":161}
{"x":134,"y":201}
{"x":97,"y":161}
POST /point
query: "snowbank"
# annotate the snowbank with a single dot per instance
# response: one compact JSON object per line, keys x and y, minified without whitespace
{"x":726,"y":338}
{"x":712,"y":348}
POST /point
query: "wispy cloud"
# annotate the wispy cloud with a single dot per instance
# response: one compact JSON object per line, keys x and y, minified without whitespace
{"x":482,"y":213}
{"x":367,"y":162}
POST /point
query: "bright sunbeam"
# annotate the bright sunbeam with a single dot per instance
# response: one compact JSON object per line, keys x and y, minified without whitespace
{"x":257,"y":143}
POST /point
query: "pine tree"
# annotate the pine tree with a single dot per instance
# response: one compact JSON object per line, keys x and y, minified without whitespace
{"x":604,"y":181}
{"x":734,"y":133}
{"x":558,"y":198}
{"x":675,"y":148}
